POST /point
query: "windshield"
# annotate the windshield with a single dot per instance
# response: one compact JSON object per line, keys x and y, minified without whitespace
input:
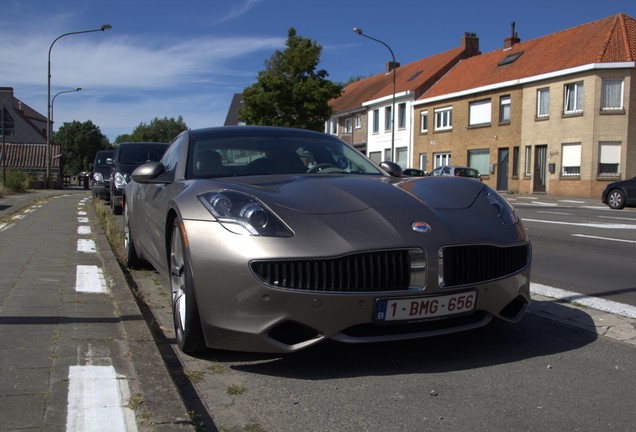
{"x":243,"y":154}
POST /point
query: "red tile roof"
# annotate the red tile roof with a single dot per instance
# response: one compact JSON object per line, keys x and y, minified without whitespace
{"x":30,"y":156}
{"x":611,"y":39}
{"x":417,"y":77}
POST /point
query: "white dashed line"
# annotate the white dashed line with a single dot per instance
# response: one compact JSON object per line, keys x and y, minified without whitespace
{"x":83,"y":230}
{"x":90,"y":279}
{"x":604,"y":238}
{"x":82,"y":220}
{"x":97,"y":399}
{"x":86,"y":245}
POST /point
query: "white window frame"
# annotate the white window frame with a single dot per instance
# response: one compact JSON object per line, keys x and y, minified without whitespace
{"x":376,"y":121}
{"x":388,"y":118}
{"x":480,"y":112}
{"x":444,"y":118}
{"x":528,"y":161}
{"x":402,"y":115}
{"x":348,"y":126}
{"x":543,"y":102}
{"x":610,"y":156}
{"x":573,"y":98}
{"x":480,"y":160}
{"x":610,"y":100}
{"x":571,"y":160}
{"x":424,"y":121}
{"x":504,"y":109}
{"x":441,"y":159}
{"x":358,"y":122}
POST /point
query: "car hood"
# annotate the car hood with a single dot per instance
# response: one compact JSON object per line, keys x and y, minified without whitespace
{"x":348,"y":193}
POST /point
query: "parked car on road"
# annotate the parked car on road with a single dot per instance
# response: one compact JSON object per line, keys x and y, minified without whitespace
{"x":127,"y":157}
{"x":620,"y":194}
{"x":83,"y":179}
{"x":100,"y":177}
{"x":455,"y":171}
{"x":413,"y":172}
{"x":275,"y":239}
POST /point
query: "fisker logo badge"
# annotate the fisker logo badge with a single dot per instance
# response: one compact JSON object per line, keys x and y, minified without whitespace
{"x":421,"y":227}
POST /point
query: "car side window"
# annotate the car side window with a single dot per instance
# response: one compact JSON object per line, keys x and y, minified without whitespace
{"x":171,"y":156}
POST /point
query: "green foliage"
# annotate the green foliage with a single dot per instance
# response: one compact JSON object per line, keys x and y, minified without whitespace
{"x":17,"y":181}
{"x":290,"y":92}
{"x":159,"y":130}
{"x":80,"y":142}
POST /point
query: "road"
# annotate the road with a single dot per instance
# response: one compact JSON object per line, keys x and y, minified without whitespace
{"x":535,"y":376}
{"x":582,"y":246}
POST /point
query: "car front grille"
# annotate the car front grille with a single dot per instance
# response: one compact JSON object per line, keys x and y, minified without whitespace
{"x":362,"y":272}
{"x":464,"y":265}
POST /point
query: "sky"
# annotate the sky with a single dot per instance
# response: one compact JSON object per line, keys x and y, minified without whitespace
{"x":188,"y":58}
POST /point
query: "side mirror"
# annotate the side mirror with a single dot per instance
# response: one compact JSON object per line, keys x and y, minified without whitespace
{"x":109,"y":162}
{"x":148,"y":172}
{"x":392,"y":168}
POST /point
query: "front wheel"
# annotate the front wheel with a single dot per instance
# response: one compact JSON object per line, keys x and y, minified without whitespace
{"x":131,"y":259}
{"x":187,"y":323}
{"x":616,"y":199}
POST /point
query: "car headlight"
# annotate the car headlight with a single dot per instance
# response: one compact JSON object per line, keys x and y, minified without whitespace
{"x":505,"y":212}
{"x":243,"y":214}
{"x":98,"y":177}
{"x":120,"y":180}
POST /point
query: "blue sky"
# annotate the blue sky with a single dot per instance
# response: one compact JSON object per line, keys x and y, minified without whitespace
{"x":167,"y":58}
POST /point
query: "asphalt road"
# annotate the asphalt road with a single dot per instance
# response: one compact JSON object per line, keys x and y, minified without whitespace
{"x":582,"y":246}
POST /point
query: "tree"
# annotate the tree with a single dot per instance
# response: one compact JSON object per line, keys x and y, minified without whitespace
{"x":290,"y":92}
{"x":80,"y":142}
{"x":159,"y":130}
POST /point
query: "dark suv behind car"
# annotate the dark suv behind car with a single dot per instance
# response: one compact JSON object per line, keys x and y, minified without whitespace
{"x":100,"y":186}
{"x":127,"y":157}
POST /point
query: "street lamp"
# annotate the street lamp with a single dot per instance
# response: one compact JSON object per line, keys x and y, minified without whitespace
{"x":56,"y":95}
{"x":358,"y":31}
{"x":48,"y":101}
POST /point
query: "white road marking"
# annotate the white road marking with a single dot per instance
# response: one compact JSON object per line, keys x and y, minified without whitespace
{"x":90,"y":279}
{"x":82,"y":219}
{"x":81,"y":213}
{"x":84,"y":229}
{"x":86,"y":245}
{"x":604,"y":238}
{"x":585,"y":224}
{"x":618,"y":218}
{"x":584,"y":300}
{"x":572,"y":201}
{"x":555,"y":213}
{"x":97,"y":399}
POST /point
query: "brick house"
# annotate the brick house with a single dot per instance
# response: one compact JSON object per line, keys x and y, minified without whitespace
{"x":550,"y":115}
{"x":23,"y":134}
{"x":362,"y":114}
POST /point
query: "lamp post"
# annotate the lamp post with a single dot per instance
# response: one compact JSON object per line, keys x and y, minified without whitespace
{"x":48,"y":101}
{"x":358,"y":31}
{"x":56,"y":95}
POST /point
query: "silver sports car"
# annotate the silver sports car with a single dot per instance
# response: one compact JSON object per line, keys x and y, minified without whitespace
{"x":275,"y":239}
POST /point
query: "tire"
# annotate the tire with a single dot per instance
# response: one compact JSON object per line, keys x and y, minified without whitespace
{"x":131,"y":259}
{"x":185,"y":313}
{"x":616,"y":199}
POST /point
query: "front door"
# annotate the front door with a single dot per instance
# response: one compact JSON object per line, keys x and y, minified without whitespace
{"x":502,"y":169}
{"x":540,"y":168}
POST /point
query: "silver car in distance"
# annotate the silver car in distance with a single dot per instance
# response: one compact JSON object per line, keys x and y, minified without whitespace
{"x":275,"y":239}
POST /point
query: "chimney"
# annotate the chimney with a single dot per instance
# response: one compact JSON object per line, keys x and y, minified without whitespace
{"x":391,"y":65}
{"x":513,"y":39}
{"x":470,"y":42}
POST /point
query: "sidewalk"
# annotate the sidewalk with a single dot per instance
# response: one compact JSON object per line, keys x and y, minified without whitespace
{"x":76,"y":352}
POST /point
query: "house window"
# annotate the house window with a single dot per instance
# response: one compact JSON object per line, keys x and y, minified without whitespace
{"x":402,"y":115}
{"x":424,"y":121}
{"x":375,"y":156}
{"x":479,"y":112}
{"x":543,"y":103}
{"x":7,"y":128}
{"x":348,"y":125}
{"x":515,"y":161}
{"x":504,"y":109}
{"x":333,"y":127}
{"x":423,"y":161}
{"x":358,"y":121}
{"x":612,"y":95}
{"x":388,"y":118}
{"x":609,"y":159}
{"x":528,"y":161}
{"x":442,"y":159}
{"x":376,"y":121}
{"x":480,"y":160}
{"x":401,"y":157}
{"x":571,"y":160}
{"x":573,"y":103}
{"x":444,"y":118}
{"x":387,"y":155}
